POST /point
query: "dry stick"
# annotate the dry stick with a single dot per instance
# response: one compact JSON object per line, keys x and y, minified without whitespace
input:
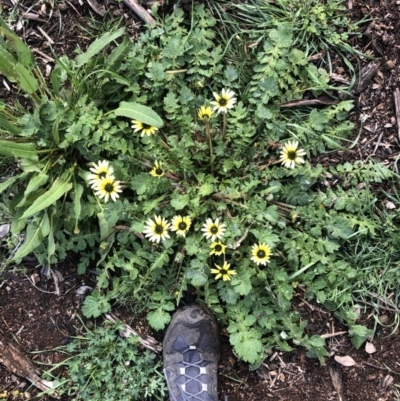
{"x":147,"y":341}
{"x":378,"y":143}
{"x":140,"y":11}
{"x":13,"y":359}
{"x":46,"y":36}
{"x":329,"y":335}
{"x":397,"y":108}
{"x":45,"y":56}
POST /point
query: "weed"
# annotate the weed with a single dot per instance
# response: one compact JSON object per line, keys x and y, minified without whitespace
{"x":172,"y":167}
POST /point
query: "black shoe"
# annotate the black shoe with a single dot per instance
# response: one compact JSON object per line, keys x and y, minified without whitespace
{"x":191,"y":352}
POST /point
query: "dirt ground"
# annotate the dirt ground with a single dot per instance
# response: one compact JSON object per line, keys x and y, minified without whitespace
{"x":38,"y":319}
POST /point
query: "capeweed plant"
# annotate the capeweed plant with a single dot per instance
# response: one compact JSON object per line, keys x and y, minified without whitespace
{"x":161,"y":164}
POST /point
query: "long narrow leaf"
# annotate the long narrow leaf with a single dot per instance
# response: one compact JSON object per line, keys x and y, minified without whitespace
{"x":139,"y":112}
{"x":7,"y":64}
{"x":15,"y":43}
{"x":26,"y":80}
{"x":97,"y":46}
{"x":58,"y":189}
{"x":33,"y":239}
{"x":114,"y":60}
{"x":18,"y":150}
{"x":7,"y":126}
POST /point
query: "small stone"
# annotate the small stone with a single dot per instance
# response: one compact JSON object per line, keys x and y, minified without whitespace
{"x":389,"y":64}
{"x":384,"y":319}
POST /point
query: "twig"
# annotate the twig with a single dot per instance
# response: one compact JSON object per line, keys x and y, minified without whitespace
{"x":378,"y":142}
{"x":47,"y":37}
{"x":397,"y":108}
{"x":18,"y":363}
{"x":147,"y":341}
{"x":140,"y":11}
{"x":372,"y":365}
{"x":329,"y":335}
{"x":45,"y":56}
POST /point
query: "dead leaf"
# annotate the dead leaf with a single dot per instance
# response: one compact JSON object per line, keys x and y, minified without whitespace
{"x":4,"y":230}
{"x":390,"y":205}
{"x":370,"y":348}
{"x":345,"y":360}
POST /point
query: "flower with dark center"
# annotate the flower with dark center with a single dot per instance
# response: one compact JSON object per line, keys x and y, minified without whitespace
{"x":108,"y":188}
{"x":204,"y":113}
{"x":143,"y":128}
{"x":224,"y":101}
{"x":157,"y":229}
{"x":99,"y":171}
{"x":217,"y":248}
{"x":223,"y":272}
{"x":261,"y":254}
{"x":290,"y":155}
{"x":157,"y":171}
{"x":181,"y":224}
{"x":213,"y":229}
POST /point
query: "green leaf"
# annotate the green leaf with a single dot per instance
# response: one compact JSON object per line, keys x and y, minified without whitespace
{"x":97,"y":46}
{"x":7,"y":63}
{"x":178,"y":201}
{"x":7,"y":126}
{"x":37,"y":181}
{"x":15,"y":43}
{"x":4,"y":185}
{"x":247,"y":345}
{"x":26,"y":80}
{"x":57,"y":190}
{"x":114,"y":60}
{"x":150,"y":205}
{"x":95,"y":304}
{"x":139,"y":112}
{"x":18,"y":150}
{"x":158,"y":319}
{"x":33,"y":239}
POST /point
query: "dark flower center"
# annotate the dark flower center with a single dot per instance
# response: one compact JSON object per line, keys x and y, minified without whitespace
{"x":102,"y":174}
{"x":223,"y":272}
{"x":214,"y":230}
{"x":182,"y":225}
{"x":222,"y":102}
{"x":218,"y":248}
{"x":109,"y":188}
{"x":292,"y":155}
{"x":145,"y":126}
{"x":159,"y":171}
{"x":159,"y":229}
{"x":261,"y":254}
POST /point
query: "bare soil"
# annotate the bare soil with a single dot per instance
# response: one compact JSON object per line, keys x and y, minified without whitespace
{"x":40,"y":320}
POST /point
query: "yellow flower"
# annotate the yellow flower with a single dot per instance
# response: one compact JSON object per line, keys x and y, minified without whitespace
{"x":223,"y":272}
{"x":214,"y":230}
{"x":144,"y":129}
{"x":157,"y":230}
{"x":108,"y":188}
{"x":204,"y":113}
{"x":98,"y":172}
{"x":290,"y":155}
{"x":261,"y":254}
{"x":181,"y":225}
{"x":224,"y":101}
{"x":217,"y":248}
{"x":157,"y":170}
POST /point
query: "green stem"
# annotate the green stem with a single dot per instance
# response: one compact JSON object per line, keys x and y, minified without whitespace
{"x":223,"y":125}
{"x":208,"y":131}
